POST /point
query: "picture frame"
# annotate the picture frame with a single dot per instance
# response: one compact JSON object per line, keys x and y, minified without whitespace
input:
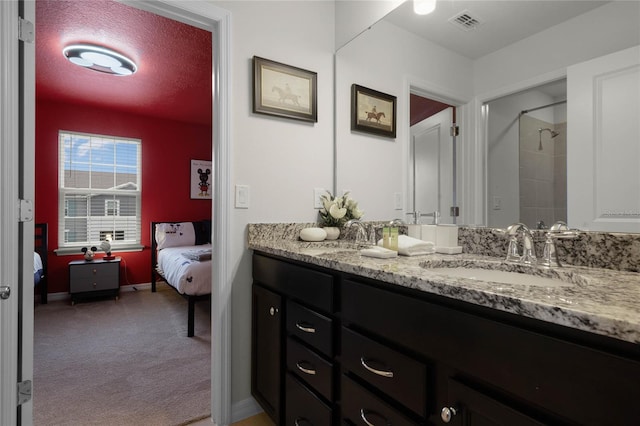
{"x":201,"y":182}
{"x":284,"y":91}
{"x":373,"y":112}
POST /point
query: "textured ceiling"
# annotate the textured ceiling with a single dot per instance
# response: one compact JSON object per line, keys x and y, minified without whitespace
{"x":174,"y":60}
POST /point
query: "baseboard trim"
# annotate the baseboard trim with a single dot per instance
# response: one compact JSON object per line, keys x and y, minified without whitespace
{"x":53,"y":297}
{"x":245,"y":409}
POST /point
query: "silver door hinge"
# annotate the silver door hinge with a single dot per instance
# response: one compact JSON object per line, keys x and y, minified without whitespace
{"x":455,"y":211}
{"x":454,"y":131}
{"x":24,"y":392}
{"x":25,"y":211}
{"x":26,"y":30}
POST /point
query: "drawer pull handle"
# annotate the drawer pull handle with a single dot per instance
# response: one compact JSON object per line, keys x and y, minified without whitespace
{"x":309,"y":371}
{"x":382,"y":373}
{"x":447,"y":414}
{"x":305,"y":327}
{"x":302,"y":421}
{"x":363,"y":416}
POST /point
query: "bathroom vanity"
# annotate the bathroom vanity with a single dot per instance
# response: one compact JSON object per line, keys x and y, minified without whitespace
{"x":342,"y":339}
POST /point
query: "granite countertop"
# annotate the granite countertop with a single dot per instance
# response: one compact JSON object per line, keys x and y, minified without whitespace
{"x":601,"y":301}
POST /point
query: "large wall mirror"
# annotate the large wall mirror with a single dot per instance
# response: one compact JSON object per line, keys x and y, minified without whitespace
{"x":478,"y":57}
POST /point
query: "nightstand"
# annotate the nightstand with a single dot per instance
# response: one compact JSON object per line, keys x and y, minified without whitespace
{"x":94,"y":278}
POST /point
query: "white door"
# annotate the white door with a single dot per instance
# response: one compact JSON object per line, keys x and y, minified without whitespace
{"x":16,"y":238}
{"x":603,"y":149}
{"x":432,"y":172}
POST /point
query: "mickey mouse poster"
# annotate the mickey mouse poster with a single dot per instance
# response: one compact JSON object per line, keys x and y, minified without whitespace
{"x":201,"y":179}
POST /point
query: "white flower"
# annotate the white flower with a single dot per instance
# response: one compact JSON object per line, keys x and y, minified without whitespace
{"x":337,"y":212}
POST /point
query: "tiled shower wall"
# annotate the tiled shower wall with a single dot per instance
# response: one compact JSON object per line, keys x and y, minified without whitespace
{"x":543,"y":173}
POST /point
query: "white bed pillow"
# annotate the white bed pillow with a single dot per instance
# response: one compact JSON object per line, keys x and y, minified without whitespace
{"x":175,"y":234}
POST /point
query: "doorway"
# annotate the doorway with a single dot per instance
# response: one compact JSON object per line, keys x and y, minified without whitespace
{"x":431,"y":160}
{"x":204,"y":15}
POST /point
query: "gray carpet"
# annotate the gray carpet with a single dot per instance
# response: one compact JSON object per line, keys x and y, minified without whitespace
{"x":128,"y":362}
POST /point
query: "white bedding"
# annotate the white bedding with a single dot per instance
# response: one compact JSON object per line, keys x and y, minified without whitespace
{"x":37,"y":262}
{"x":190,"y":277}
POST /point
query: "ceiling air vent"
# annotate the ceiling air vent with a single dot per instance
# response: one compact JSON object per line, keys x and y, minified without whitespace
{"x":465,"y":21}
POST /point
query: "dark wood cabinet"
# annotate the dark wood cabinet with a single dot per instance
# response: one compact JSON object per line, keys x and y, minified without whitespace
{"x":266,"y":386}
{"x":470,"y":407}
{"x":294,"y":381}
{"x":356,"y":350}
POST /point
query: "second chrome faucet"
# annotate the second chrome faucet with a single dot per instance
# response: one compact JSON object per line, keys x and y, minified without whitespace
{"x":558,"y":230}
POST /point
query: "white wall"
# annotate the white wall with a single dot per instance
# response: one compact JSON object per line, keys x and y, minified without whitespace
{"x":603,"y":30}
{"x":374,"y":168}
{"x":355,"y":16}
{"x":281,"y":160}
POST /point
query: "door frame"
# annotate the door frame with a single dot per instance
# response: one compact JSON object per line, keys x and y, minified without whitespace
{"x":460,"y":102}
{"x":198,"y":13}
{"x":9,"y":263}
{"x":205,"y":15}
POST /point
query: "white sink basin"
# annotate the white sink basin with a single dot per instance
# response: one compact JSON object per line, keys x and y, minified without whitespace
{"x":505,"y":273}
{"x":501,"y":277}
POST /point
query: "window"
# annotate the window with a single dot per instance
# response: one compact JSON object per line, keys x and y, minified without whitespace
{"x":100,"y":187}
{"x":112,"y":207}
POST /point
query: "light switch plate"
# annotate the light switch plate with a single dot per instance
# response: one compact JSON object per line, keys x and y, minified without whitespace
{"x":242,"y":196}
{"x":317,"y":201}
{"x":497,"y":203}
{"x":397,"y":200}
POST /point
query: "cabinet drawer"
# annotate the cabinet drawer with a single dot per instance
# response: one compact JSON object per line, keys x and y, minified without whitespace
{"x":312,"y":287}
{"x":361,"y":407}
{"x":399,"y":376}
{"x":303,"y":408}
{"x":310,"y":367}
{"x":93,"y":277}
{"x":311,"y":327}
{"x":523,"y":363}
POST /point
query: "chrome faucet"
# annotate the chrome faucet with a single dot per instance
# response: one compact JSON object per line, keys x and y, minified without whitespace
{"x":397,"y":222}
{"x":435,"y":215}
{"x":415,"y":217}
{"x":362,"y":236}
{"x":558,"y":230}
{"x":528,"y":250}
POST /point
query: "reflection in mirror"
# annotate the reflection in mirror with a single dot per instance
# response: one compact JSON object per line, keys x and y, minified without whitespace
{"x":468,"y":69}
{"x":431,"y":160}
{"x":526,"y":157}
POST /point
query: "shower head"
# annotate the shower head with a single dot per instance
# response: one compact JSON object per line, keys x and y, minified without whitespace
{"x":553,"y":134}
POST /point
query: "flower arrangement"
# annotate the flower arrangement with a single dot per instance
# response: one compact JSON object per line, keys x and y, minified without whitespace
{"x":336,"y":211}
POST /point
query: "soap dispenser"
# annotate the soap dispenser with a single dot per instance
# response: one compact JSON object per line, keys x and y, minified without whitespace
{"x":393,"y":234}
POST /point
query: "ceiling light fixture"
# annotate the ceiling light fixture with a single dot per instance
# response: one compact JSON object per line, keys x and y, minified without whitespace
{"x":99,"y":59}
{"x":424,"y":7}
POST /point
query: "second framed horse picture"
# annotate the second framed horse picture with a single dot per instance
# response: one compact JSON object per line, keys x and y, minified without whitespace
{"x":373,"y":111}
{"x":284,"y":91}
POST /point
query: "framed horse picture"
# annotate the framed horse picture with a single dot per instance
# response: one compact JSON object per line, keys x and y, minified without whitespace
{"x":284,"y":91}
{"x":373,"y":112}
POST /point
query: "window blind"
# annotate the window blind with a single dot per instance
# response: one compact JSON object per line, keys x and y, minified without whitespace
{"x":100,"y":189}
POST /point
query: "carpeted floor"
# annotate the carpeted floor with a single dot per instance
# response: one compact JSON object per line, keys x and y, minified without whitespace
{"x":128,"y":362}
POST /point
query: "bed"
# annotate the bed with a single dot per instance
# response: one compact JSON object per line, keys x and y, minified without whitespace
{"x":40,"y":260}
{"x":181,"y":256}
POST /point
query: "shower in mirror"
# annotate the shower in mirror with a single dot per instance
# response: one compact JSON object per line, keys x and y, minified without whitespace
{"x":552,"y":132}
{"x":527,"y":157}
{"x":543,"y":164}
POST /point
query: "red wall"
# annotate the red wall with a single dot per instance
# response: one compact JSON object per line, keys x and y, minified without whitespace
{"x":167,"y":148}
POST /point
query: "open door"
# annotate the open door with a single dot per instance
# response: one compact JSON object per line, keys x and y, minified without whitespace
{"x":432,"y":161}
{"x":16,"y":226}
